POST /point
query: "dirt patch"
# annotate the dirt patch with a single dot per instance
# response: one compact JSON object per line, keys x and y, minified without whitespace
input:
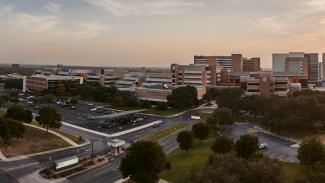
{"x":34,"y":141}
{"x":321,"y":138}
{"x":251,"y":130}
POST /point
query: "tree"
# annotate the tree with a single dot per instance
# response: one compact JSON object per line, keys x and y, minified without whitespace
{"x":311,"y":151}
{"x":223,"y":116}
{"x":290,"y":115}
{"x":13,"y":84}
{"x":201,"y":131}
{"x":183,"y":97}
{"x":256,"y":105}
{"x":48,"y":98}
{"x":145,"y":104}
{"x":143,"y":162}
{"x":222,"y":145}
{"x":229,"y":169}
{"x":228,"y":97}
{"x":10,"y":128}
{"x":74,"y":101}
{"x":60,"y":90}
{"x":185,"y":140}
{"x":311,"y":177}
{"x":18,"y":112}
{"x":161,"y":106}
{"x":2,"y":101}
{"x":117,"y":101}
{"x":48,"y":117}
{"x":247,"y":146}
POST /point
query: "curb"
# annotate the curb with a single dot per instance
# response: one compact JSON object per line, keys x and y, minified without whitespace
{"x":16,"y":158}
{"x":64,"y":178}
{"x":260,"y":129}
{"x":55,"y":133}
{"x":114,"y":134}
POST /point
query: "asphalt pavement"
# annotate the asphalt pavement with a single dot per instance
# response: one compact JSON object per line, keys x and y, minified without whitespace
{"x":278,"y":148}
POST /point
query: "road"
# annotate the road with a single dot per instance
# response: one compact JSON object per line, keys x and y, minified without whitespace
{"x":17,"y":170}
{"x":277,"y":148}
{"x":12,"y":171}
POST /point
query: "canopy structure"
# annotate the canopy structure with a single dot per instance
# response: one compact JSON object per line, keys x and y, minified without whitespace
{"x":117,"y":115}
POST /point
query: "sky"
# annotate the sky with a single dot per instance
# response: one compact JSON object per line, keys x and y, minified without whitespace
{"x":156,"y":32}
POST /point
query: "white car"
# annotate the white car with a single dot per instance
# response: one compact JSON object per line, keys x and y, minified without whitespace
{"x":263,"y":146}
{"x":93,"y":109}
{"x":30,"y":103}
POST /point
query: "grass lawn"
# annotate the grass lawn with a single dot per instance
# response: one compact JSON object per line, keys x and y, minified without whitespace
{"x":166,"y":112}
{"x":205,"y":116}
{"x":239,"y":118}
{"x":126,"y":108}
{"x":71,"y":137}
{"x":68,"y":135}
{"x":182,"y":162}
{"x":165,"y":132}
{"x":291,"y":171}
{"x":34,"y":141}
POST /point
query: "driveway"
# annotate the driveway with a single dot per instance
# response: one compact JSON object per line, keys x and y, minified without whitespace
{"x":278,"y":148}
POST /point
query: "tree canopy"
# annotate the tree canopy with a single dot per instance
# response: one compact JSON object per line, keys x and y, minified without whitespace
{"x":183,"y":97}
{"x":311,"y":151}
{"x":256,"y":105}
{"x":229,"y":169}
{"x":13,"y":84}
{"x":48,"y":117}
{"x":291,"y":115}
{"x":185,"y":140}
{"x":227,"y":97}
{"x":10,"y":128}
{"x":201,"y":131}
{"x":247,"y":146}
{"x":18,"y":112}
{"x":222,"y":145}
{"x":143,"y":162}
{"x":221,"y":116}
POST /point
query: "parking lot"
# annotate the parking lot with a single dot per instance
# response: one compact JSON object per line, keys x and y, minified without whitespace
{"x":93,"y":117}
{"x":277,"y":148}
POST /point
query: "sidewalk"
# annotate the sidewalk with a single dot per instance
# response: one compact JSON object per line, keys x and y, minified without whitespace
{"x":56,"y":134}
{"x":114,"y":134}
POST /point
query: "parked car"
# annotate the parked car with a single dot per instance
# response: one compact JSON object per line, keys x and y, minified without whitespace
{"x":90,"y":117}
{"x":30,"y":103}
{"x":93,"y":109}
{"x":263,"y":146}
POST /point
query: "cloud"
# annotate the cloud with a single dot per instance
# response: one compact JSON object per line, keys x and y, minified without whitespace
{"x":121,"y":8}
{"x":50,"y":27}
{"x":305,"y":20}
{"x":6,"y":10}
{"x":52,"y":7}
{"x":316,"y":4}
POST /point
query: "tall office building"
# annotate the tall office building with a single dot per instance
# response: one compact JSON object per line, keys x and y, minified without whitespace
{"x":196,"y":74}
{"x":232,"y":63}
{"x":323,"y":66}
{"x":320,"y":71}
{"x":251,"y":65}
{"x":313,"y":67}
{"x":293,"y":65}
{"x":297,"y":62}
